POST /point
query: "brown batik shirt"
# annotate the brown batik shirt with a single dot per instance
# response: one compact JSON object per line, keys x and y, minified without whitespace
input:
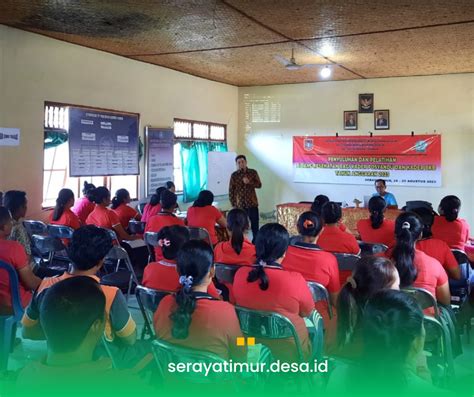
{"x":243,"y":195}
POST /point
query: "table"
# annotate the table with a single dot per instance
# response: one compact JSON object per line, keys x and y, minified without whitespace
{"x":288,"y":213}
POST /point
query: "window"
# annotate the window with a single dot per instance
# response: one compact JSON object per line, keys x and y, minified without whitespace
{"x":56,"y":161}
{"x":193,"y":139}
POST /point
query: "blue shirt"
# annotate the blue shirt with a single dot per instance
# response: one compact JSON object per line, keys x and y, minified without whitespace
{"x":388,"y":197}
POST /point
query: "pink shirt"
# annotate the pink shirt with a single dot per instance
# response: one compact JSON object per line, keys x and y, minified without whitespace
{"x":82,"y":208}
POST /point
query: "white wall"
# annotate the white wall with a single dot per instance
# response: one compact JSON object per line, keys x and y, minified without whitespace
{"x":35,"y":69}
{"x":419,"y":104}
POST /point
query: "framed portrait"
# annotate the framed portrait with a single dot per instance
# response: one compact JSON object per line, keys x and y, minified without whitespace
{"x":350,"y":119}
{"x":382,"y":119}
{"x":366,"y":103}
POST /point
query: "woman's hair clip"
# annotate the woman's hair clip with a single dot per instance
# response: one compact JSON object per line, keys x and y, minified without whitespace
{"x":352,"y":282}
{"x":261,"y":262}
{"x":186,"y":281}
{"x":406,"y":225}
{"x":164,"y":242}
{"x":308,"y":223}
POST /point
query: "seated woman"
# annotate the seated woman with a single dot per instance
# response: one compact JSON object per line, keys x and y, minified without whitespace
{"x":85,"y":205}
{"x":317,"y":208}
{"x":238,"y":250}
{"x":16,"y":202}
{"x":204,"y":214}
{"x":393,"y":338}
{"x":162,"y":275}
{"x":332,"y":238}
{"x":370,"y":275}
{"x":166,"y":217}
{"x":120,"y":206}
{"x":193,"y":318}
{"x":377,"y":229}
{"x":269,"y":287}
{"x":448,"y":227}
{"x":415,"y":267}
{"x":105,"y":217}
{"x":306,"y":258}
{"x":434,"y":247}
{"x":13,"y":253}
{"x":62,"y":214}
{"x":153,"y":206}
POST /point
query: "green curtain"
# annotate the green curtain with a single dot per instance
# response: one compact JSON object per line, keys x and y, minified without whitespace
{"x":194,"y":166}
{"x":53,"y":139}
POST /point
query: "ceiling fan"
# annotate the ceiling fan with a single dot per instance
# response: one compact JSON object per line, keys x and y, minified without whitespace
{"x":292,"y":65}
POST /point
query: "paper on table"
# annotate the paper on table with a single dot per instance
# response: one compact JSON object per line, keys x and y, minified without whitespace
{"x":135,"y":243}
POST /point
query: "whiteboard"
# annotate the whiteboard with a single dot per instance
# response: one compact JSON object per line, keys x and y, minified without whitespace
{"x":220,"y":166}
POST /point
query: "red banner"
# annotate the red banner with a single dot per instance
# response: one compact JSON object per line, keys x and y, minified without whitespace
{"x":400,"y":159}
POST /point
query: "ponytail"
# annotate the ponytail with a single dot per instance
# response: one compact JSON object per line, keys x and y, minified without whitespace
{"x":186,"y":301}
{"x":377,"y":206}
{"x":237,"y":223}
{"x":258,"y":273}
{"x":348,"y":314}
{"x":270,"y":245}
{"x":63,"y":198}
{"x":194,"y":261}
{"x":120,"y":197}
{"x":408,"y":228}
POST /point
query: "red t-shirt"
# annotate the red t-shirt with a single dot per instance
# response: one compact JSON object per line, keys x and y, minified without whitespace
{"x":224,"y":253}
{"x":163,"y":276}
{"x":13,"y":253}
{"x":67,"y":218}
{"x":214,"y":326}
{"x":103,"y":217}
{"x":455,"y":233}
{"x":82,"y":208}
{"x":150,"y":211}
{"x":205,"y":217}
{"x":125,"y":213}
{"x":385,"y":234}
{"x":287,"y":294}
{"x":439,"y":250}
{"x":158,"y":222}
{"x":315,"y":265}
{"x":333,"y":239}
{"x":430,"y":272}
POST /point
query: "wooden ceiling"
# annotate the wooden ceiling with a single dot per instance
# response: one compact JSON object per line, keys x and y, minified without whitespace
{"x":236,"y":41}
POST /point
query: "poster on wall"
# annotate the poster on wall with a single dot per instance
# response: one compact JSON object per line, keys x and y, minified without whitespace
{"x":159,"y":157}
{"x":9,"y":136}
{"x":358,"y":160}
{"x":102,"y":143}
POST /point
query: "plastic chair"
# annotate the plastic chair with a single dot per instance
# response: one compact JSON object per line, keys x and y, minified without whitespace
{"x":151,"y":240}
{"x":8,"y":322}
{"x":346,"y":262}
{"x":166,"y":353}
{"x":136,"y":227}
{"x":269,"y":325}
{"x":121,"y":278}
{"x":435,"y":329}
{"x":35,"y":227}
{"x":371,"y":248}
{"x":225,"y":273}
{"x":148,"y":300}
{"x":320,"y":293}
{"x":199,"y":233}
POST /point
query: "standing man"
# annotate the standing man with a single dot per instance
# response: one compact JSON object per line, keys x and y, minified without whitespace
{"x":243,"y":183}
{"x":389,"y":198}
